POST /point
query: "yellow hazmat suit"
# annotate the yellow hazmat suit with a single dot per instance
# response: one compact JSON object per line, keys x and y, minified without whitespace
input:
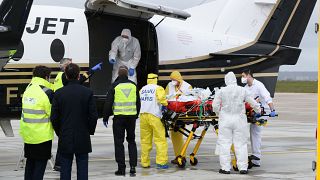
{"x":152,"y":99}
{"x":177,"y":87}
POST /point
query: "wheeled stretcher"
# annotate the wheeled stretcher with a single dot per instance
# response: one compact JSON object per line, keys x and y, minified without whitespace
{"x":198,"y":114}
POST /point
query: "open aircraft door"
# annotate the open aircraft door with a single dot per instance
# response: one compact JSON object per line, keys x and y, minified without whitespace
{"x":133,"y":8}
{"x":13,"y":18}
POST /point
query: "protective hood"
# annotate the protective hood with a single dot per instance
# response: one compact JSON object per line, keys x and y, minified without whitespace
{"x":230,"y":79}
{"x":152,"y":78}
{"x":176,"y":76}
{"x":126,"y":32}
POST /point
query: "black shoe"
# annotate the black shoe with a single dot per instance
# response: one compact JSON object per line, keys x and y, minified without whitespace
{"x":253,"y":157}
{"x":221,"y":171}
{"x":251,"y":164}
{"x":56,"y":168}
{"x":132,"y":171}
{"x":175,"y":161}
{"x":244,"y":172}
{"x":255,"y":165}
{"x":120,"y":173}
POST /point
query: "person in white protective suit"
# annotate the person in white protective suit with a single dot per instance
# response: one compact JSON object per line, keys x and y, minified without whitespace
{"x":125,"y":51}
{"x":229,"y":105}
{"x":262,"y":95}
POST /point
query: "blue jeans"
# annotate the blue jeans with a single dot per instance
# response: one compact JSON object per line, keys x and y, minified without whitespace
{"x":66,"y":166}
{"x":34,"y":169}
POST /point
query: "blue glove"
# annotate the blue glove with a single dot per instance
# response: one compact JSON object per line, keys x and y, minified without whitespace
{"x":273,"y":113}
{"x":257,"y":115}
{"x":112,"y":61}
{"x":164,"y":108}
{"x":97,"y":67}
{"x":105,"y":123}
{"x":131,"y":72}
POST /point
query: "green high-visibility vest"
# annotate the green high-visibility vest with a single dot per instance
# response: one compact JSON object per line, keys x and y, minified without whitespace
{"x":58,"y":82}
{"x":125,"y":98}
{"x":35,"y":124}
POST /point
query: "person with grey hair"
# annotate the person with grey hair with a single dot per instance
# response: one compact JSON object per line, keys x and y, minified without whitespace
{"x":125,"y":51}
{"x":61,"y":79}
{"x":58,"y":82}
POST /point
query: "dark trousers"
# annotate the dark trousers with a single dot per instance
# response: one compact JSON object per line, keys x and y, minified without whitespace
{"x":119,"y":128}
{"x":58,"y":158}
{"x":66,"y":166}
{"x":35,"y":169}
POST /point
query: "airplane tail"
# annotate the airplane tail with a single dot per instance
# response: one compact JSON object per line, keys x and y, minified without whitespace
{"x":281,"y":38}
{"x":288,"y":22}
{"x":274,"y":29}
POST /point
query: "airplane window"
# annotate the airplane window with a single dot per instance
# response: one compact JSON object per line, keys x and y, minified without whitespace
{"x":57,"y":50}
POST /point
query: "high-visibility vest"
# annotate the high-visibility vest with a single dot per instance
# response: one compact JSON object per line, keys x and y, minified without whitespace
{"x":58,"y":82}
{"x":35,"y":124}
{"x":149,"y":102}
{"x":125,"y":98}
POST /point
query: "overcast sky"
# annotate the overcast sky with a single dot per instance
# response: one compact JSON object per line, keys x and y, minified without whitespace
{"x":308,"y":60}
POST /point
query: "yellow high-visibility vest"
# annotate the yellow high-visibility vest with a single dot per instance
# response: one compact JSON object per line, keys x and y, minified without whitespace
{"x":35,"y":124}
{"x":58,"y":82}
{"x":125,"y":98}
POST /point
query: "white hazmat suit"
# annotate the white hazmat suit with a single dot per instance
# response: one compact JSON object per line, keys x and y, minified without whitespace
{"x":126,"y":53}
{"x":229,"y":105}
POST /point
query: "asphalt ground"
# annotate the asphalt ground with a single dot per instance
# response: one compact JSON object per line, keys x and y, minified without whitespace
{"x":288,"y":148}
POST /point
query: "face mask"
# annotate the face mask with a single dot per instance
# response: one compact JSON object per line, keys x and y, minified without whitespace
{"x":125,"y":40}
{"x":174,"y":83}
{"x":244,"y":80}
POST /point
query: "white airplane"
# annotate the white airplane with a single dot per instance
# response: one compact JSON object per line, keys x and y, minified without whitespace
{"x":203,"y":41}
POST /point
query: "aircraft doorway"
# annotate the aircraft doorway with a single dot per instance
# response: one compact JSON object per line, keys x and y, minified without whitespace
{"x":103,"y":29}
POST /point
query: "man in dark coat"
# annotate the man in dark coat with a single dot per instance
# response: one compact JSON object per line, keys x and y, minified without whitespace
{"x":74,"y":118}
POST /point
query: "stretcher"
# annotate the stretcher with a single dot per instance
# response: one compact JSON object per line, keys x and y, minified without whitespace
{"x":198,"y":114}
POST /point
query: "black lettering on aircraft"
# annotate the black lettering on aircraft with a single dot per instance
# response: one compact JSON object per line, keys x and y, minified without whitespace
{"x":49,"y":25}
{"x":36,"y":27}
{"x":66,"y":25}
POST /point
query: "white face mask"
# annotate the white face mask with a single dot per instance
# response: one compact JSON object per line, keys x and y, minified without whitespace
{"x":244,"y":80}
{"x":174,"y":82}
{"x":125,"y":40}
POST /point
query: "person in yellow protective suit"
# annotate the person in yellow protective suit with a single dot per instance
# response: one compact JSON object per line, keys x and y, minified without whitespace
{"x":153,"y":100}
{"x":176,"y":87}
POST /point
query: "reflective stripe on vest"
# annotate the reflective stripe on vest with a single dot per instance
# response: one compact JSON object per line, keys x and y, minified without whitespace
{"x":32,"y":111}
{"x":125,"y":99}
{"x":34,"y":120}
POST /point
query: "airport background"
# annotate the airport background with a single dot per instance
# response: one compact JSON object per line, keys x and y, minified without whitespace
{"x":289,"y":142}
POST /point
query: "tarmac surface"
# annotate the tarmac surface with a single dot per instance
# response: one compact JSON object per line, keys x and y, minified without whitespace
{"x":288,"y":148}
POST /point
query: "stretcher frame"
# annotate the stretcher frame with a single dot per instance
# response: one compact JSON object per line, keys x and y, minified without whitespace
{"x":177,"y":122}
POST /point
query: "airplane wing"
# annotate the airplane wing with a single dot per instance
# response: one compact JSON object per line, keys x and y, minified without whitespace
{"x":135,"y":8}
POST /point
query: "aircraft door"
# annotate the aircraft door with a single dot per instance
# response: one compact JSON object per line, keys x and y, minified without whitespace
{"x":13,"y":18}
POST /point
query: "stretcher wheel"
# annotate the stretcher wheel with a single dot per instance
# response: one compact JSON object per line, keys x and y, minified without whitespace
{"x":194,"y":162}
{"x":181,"y":162}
